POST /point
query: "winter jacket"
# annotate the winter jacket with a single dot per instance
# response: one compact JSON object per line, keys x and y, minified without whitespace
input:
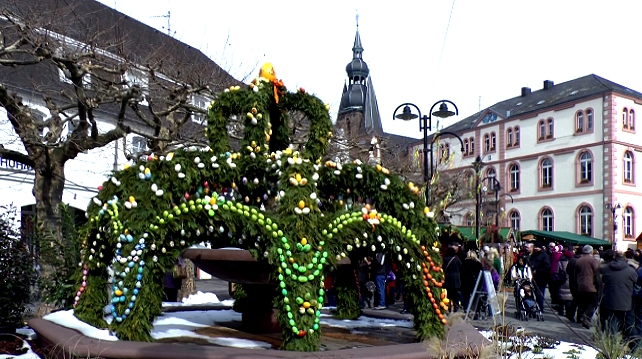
{"x":469,"y":272}
{"x":618,"y":279}
{"x":452,"y":269}
{"x":570,"y":270}
{"x":586,"y":274}
{"x":565,"y":289}
{"x":540,"y":264}
{"x":555,"y":259}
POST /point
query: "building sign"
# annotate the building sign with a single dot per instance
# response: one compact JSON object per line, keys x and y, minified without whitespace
{"x":13,"y":165}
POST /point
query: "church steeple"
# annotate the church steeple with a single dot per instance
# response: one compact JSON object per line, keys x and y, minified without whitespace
{"x":359,"y":97}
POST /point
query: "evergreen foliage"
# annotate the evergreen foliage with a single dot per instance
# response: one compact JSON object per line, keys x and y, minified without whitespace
{"x":17,"y":273}
{"x":145,"y":215}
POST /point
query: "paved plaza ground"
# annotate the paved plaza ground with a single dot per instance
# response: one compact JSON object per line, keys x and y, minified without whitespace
{"x":553,"y":326}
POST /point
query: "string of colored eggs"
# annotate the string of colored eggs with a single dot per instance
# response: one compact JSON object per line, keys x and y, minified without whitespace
{"x":427,"y":276}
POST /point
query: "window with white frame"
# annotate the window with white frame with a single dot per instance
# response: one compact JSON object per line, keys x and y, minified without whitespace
{"x":493,"y":141}
{"x":542,"y":130}
{"x":509,"y":137}
{"x":550,"y":128}
{"x":628,"y":167}
{"x":200,"y":102}
{"x":139,"y":145}
{"x":514,"y":177}
{"x":472,"y":146}
{"x":516,"y":136}
{"x":470,"y":219}
{"x":627,"y":219}
{"x":466,"y":148}
{"x":586,"y":167}
{"x":486,"y":142}
{"x":492,"y":176}
{"x":586,"y":221}
{"x":579,"y":122}
{"x":589,"y":120}
{"x":547,"y":219}
{"x":515,"y":221}
{"x":547,"y":173}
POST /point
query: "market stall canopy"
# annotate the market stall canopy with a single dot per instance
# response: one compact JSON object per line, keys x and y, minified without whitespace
{"x":566,"y":237}
{"x":469,"y":232}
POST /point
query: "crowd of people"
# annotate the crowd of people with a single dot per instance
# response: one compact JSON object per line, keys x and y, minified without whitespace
{"x":583,"y":282}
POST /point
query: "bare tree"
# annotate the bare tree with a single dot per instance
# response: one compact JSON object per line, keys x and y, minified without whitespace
{"x":86,"y":63}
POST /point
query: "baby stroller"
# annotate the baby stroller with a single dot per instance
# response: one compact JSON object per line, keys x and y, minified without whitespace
{"x":525,"y":302}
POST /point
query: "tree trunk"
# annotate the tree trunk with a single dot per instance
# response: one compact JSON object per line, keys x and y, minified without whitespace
{"x":48,"y":187}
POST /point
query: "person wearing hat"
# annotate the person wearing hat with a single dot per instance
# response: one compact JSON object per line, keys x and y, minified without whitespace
{"x":540,"y":264}
{"x":587,"y":277}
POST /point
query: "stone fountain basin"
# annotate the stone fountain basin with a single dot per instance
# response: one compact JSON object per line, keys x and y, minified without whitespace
{"x":234,"y":265}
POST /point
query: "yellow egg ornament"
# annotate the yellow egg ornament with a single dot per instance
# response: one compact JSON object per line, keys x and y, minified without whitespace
{"x":301,"y":204}
{"x":267,"y":72}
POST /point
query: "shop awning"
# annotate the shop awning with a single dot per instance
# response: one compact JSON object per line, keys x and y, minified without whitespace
{"x":469,"y":232}
{"x":566,"y":237}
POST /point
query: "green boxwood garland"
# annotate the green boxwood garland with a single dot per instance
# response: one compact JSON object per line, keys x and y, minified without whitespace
{"x":146,"y":214}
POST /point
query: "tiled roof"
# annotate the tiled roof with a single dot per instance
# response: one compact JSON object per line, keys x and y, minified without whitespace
{"x":557,"y":94}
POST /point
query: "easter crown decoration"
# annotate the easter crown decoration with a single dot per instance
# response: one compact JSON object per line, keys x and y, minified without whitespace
{"x":288,"y":207}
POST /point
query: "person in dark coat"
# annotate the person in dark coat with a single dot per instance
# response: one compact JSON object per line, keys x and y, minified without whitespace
{"x":540,"y":264}
{"x":380,"y":267}
{"x":452,"y":277}
{"x":364,"y":278}
{"x":470,"y":269}
{"x":618,"y":280}
{"x":564,"y":292}
{"x":572,"y":284}
{"x":587,"y":277}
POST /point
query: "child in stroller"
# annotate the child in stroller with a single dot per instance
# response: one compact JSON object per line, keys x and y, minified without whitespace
{"x":525,"y":301}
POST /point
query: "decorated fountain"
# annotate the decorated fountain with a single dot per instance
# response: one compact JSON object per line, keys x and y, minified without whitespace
{"x":287,"y":206}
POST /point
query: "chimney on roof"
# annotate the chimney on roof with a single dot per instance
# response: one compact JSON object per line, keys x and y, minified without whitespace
{"x":548,"y":84}
{"x":526,"y":91}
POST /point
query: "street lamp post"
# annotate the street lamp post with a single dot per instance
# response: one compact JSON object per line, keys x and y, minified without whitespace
{"x":616,"y":210}
{"x":477,"y":165}
{"x":425,"y":125}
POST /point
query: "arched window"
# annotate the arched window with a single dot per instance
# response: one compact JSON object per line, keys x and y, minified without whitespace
{"x":549,"y":122}
{"x":547,"y":219}
{"x":542,"y":129}
{"x":492,"y":176}
{"x":586,"y":221}
{"x":470,"y":219}
{"x":627,"y":218}
{"x":515,"y":220}
{"x":493,"y":141}
{"x":628,"y":167}
{"x":579,"y":122}
{"x":546,"y":173}
{"x":513,"y":170}
{"x":486,"y":142}
{"x":472,"y":146}
{"x":589,"y":120}
{"x":509,"y":137}
{"x":625,"y":118}
{"x":445,"y":153}
{"x":466,"y":146}
{"x":516,"y":136}
{"x":631,"y":120}
{"x":586,"y":168}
